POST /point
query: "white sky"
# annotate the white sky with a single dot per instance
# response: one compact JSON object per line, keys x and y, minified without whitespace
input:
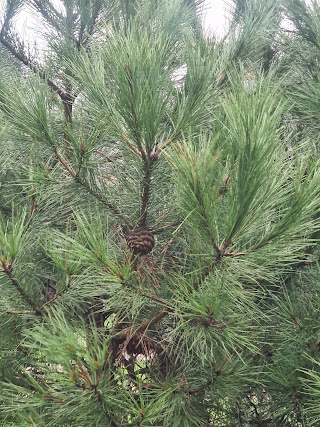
{"x":215,"y":16}
{"x":214,"y":20}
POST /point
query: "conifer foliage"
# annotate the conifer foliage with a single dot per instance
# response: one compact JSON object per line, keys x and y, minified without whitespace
{"x":160,"y":216}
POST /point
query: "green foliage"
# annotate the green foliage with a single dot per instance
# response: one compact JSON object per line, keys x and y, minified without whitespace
{"x":159,"y":217}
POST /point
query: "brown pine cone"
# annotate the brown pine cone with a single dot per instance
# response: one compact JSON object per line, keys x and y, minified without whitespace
{"x":140,"y":241}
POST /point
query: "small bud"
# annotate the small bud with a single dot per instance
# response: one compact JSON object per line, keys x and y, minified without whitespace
{"x":154,"y":156}
{"x":227,"y":180}
{"x":97,"y":254}
{"x":82,"y":148}
{"x":9,"y":266}
{"x":72,"y":376}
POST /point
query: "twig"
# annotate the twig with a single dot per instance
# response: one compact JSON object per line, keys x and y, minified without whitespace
{"x":212,"y":323}
{"x":53,"y":16}
{"x":165,"y":227}
{"x":216,"y":248}
{"x":87,"y":188}
{"x":33,"y":205}
{"x":65,"y":96}
{"x":223,"y":364}
{"x":82,"y":151}
{"x":7,"y":270}
{"x":32,"y":67}
{"x":131,"y":146}
{"x":203,"y":275}
{"x":21,"y":312}
{"x":56,"y":295}
{"x":167,"y":142}
{"x":164,"y":145}
{"x":101,"y":199}
{"x":145,"y":195}
{"x":134,"y":115}
{"x":225,"y":246}
{"x":63,"y":163}
{"x":67,"y":102}
{"x":144,"y":326}
{"x":156,"y":319}
{"x":145,"y":155}
{"x":49,"y":301}
{"x":234,"y":254}
{"x":296,"y":321}
{"x":200,"y":389}
{"x":156,"y":299}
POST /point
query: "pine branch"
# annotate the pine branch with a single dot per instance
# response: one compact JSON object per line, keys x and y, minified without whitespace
{"x":7,"y":270}
{"x":131,"y":146}
{"x":35,"y":313}
{"x":22,"y":58}
{"x":57,"y":294}
{"x":81,"y":41}
{"x":95,"y":14}
{"x":166,"y":227}
{"x":156,"y":319}
{"x":136,"y":130}
{"x":157,"y":299}
{"x":68,"y":105}
{"x":66,"y":97}
{"x":11,"y":9}
{"x":203,"y":275}
{"x":84,"y":185}
{"x":220,"y":253}
{"x":145,"y":194}
{"x":144,"y":326}
{"x":50,"y":13}
{"x":50,"y":301}
{"x":82,"y":151}
{"x":101,"y":199}
{"x":64,"y":163}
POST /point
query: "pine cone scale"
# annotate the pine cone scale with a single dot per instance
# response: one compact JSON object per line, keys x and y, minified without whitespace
{"x":140,"y":241}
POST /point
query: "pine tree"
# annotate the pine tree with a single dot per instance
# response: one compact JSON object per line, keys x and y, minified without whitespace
{"x":159,"y":217}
